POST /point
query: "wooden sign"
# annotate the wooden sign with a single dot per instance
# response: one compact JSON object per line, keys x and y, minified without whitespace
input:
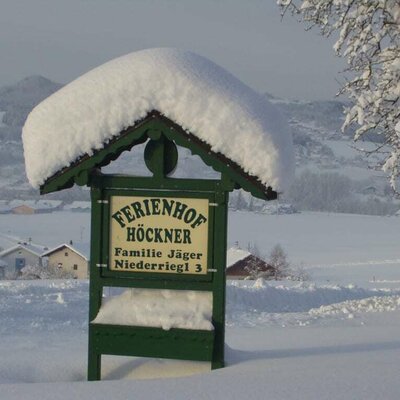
{"x":159,"y":234}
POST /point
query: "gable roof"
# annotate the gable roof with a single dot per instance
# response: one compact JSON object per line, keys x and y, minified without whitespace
{"x":235,"y":254}
{"x":240,"y":263}
{"x":80,"y":249}
{"x":200,"y":99}
{"x":35,"y":204}
{"x":35,"y":250}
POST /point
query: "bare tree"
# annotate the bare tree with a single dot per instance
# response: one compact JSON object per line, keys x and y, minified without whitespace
{"x":278,"y":260}
{"x":369,"y":39}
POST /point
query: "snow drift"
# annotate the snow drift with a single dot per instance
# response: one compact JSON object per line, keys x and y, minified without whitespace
{"x":166,"y":309}
{"x":194,"y":92}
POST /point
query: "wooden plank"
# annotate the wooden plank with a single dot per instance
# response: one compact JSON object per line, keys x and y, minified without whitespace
{"x":173,"y":284}
{"x":182,"y":344}
{"x":128,"y":182}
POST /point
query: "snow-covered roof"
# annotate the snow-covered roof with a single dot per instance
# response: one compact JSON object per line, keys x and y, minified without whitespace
{"x":192,"y":91}
{"x":35,"y":204}
{"x":235,"y":254}
{"x":82,"y":249}
{"x":31,"y":248}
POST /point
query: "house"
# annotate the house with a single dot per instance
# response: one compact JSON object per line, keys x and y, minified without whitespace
{"x":70,"y":258}
{"x":19,"y":256}
{"x":27,"y":207}
{"x":241,"y":264}
{"x":23,"y":209}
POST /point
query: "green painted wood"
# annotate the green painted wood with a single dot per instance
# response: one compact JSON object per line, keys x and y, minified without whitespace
{"x":126,"y":182}
{"x":220,"y":239}
{"x":161,"y":157}
{"x":190,"y":344}
{"x":182,"y":344}
{"x":172,"y":284}
{"x":153,"y":124}
{"x":95,"y":254}
{"x":95,"y":286}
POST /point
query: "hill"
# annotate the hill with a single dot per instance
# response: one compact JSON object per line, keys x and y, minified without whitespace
{"x":332,"y":175}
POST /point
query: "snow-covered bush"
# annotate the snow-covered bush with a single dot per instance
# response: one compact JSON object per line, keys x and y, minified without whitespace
{"x":44,"y":272}
{"x":31,"y":272}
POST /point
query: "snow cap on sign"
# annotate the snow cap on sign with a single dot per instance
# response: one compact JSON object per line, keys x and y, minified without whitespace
{"x":197,"y":94}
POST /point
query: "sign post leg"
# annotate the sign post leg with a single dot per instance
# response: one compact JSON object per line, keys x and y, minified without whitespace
{"x":94,"y":363}
{"x":95,"y":286}
{"x":220,"y":238}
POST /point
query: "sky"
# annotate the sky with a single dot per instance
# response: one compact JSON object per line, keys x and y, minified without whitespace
{"x":62,"y":39}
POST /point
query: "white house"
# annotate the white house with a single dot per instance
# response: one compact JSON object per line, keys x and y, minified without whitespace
{"x":19,"y":256}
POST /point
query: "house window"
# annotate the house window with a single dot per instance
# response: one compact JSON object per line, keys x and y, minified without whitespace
{"x":75,"y":267}
{"x":59,"y":265}
{"x":66,"y":254}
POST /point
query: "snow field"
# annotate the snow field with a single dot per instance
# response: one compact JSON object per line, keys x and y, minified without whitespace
{"x":43,"y":306}
{"x":314,"y":240}
{"x":292,"y":350}
{"x":321,"y":240}
{"x":54,"y":306}
{"x":333,"y":337}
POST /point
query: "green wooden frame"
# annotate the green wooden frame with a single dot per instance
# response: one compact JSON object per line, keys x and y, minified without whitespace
{"x":108,"y":193}
{"x":160,"y":157}
{"x":155,"y":342}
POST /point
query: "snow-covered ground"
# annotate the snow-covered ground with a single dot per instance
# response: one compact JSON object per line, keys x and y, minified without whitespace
{"x":333,"y":337}
{"x":310,"y":239}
